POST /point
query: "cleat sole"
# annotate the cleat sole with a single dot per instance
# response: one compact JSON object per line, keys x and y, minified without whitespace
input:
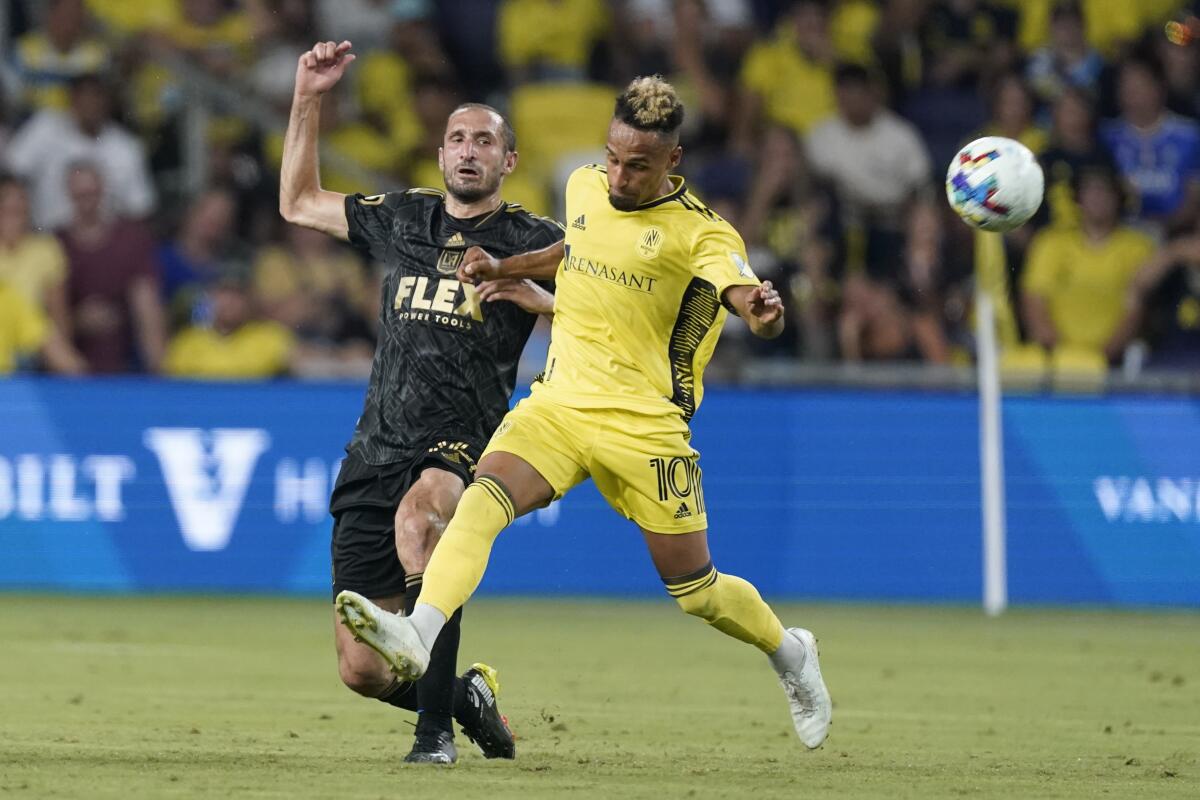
{"x":355,"y":617}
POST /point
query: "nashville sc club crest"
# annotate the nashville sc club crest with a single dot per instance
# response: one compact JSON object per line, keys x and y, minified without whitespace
{"x":650,"y":243}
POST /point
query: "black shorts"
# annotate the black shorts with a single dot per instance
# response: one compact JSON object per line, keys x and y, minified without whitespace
{"x":363,"y":505}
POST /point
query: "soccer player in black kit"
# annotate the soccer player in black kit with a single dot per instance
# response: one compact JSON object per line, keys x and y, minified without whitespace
{"x":442,"y":376}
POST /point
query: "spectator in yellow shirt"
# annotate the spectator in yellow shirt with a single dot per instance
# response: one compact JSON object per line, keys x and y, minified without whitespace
{"x":1111,"y":25}
{"x":238,"y":346}
{"x":31,"y":263}
{"x":218,"y":36}
{"x":46,"y":59}
{"x":25,"y":332}
{"x":788,"y":79}
{"x":23,"y":329}
{"x":549,"y":39}
{"x":1077,"y":280}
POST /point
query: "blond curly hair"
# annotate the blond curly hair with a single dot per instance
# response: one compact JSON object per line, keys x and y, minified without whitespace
{"x":649,"y":103}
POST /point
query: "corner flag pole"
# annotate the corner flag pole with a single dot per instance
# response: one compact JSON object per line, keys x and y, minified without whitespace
{"x":990,"y":276}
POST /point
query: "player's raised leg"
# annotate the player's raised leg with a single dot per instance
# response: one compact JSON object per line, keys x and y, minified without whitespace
{"x":734,"y":607}
{"x":421,"y":518}
{"x":362,"y":639}
{"x":364,"y":557}
{"x":505,"y":487}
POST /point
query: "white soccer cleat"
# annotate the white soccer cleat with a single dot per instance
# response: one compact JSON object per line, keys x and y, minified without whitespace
{"x":812,"y":707}
{"x":390,"y":635}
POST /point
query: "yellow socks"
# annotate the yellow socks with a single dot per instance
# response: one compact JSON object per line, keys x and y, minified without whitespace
{"x":460,"y":558}
{"x":728,"y":603}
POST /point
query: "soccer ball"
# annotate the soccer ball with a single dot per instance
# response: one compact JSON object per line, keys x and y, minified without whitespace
{"x":995,"y":184}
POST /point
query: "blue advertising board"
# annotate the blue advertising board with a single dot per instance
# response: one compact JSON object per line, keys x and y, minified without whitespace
{"x":133,"y":485}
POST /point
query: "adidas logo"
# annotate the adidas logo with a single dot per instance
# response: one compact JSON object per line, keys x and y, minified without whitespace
{"x":683,"y":511}
{"x":580,"y":223}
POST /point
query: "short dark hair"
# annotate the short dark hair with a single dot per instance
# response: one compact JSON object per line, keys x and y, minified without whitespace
{"x":93,"y":80}
{"x":506,"y":129}
{"x":649,"y":103}
{"x":847,"y":74}
{"x":1067,"y":8}
{"x":1102,"y":173}
{"x":1147,"y":63}
{"x":821,"y":5}
{"x":12,"y":179}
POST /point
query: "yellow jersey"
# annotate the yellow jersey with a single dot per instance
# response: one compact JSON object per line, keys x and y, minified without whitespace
{"x":256,"y":350}
{"x":1084,"y":283}
{"x":638,"y":299}
{"x":796,"y":92}
{"x":23,"y":328}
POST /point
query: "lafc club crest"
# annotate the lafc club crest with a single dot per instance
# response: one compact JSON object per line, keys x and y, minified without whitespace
{"x":451,"y":255}
{"x":650,"y":243}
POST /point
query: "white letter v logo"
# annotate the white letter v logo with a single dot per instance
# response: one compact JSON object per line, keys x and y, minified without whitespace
{"x":207,"y":485}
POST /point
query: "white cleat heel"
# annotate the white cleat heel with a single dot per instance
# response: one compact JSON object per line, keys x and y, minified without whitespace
{"x":392,"y":636}
{"x":811,"y":705}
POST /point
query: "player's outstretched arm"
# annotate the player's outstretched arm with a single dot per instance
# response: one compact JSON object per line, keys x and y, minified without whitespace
{"x":761,"y":307}
{"x":480,"y":266}
{"x":302,"y":201}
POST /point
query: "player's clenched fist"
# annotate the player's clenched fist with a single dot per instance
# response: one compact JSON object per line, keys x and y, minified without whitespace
{"x":322,"y":67}
{"x":478,"y":265}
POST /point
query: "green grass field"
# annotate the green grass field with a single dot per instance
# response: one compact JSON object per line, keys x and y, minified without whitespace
{"x":238,"y":698}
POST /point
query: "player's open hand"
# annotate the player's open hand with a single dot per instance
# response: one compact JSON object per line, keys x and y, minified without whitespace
{"x":764,"y":303}
{"x":478,"y":266}
{"x":321,"y":67}
{"x":525,"y":293}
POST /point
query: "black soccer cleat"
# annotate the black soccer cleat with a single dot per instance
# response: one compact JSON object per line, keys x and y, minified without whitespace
{"x":433,"y":747}
{"x":482,"y":722}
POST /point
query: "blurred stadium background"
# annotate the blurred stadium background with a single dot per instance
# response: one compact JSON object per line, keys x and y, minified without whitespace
{"x":215,"y":360}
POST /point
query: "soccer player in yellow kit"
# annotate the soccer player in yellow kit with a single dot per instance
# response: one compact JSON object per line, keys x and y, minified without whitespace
{"x":644,"y":280}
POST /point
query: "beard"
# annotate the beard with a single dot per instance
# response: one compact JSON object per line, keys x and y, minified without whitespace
{"x":468,"y":191}
{"x":621,"y":203}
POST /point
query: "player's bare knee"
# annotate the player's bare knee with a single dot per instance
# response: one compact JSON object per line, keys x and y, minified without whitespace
{"x":363,"y":672}
{"x":417,"y":533}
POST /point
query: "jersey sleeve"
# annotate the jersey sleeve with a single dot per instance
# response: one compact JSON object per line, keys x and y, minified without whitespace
{"x":370,"y":221}
{"x":719,"y":257}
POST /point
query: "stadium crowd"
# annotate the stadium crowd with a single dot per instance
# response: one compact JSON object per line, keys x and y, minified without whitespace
{"x":821,"y":130}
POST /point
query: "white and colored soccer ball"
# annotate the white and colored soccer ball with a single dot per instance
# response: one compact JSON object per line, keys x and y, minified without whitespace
{"x":995,"y":184}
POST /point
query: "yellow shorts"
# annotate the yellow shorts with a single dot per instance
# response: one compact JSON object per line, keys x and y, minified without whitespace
{"x":642,"y":464}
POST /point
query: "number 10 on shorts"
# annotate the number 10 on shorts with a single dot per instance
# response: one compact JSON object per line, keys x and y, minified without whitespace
{"x":679,"y":478}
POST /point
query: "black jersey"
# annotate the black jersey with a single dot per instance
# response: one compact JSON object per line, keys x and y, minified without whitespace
{"x":446,"y":362}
